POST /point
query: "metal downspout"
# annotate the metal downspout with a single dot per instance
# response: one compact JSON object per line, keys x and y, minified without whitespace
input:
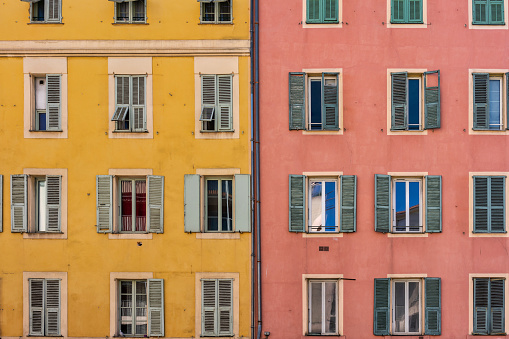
{"x":253,"y":242}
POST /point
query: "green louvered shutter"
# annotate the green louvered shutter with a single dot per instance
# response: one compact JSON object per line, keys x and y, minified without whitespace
{"x":52,"y":306}
{"x":414,"y":11}
{"x":348,"y":203}
{"x":381,"y":316}
{"x":497,"y":314}
{"x":433,"y":203}
{"x":104,"y":202}
{"x":432,"y":102}
{"x":192,"y":203}
{"x":36,"y":303}
{"x":224,"y":102}
{"x":53,"y":11}
{"x":155,"y":200}
{"x":382,"y":203}
{"x":330,"y":11}
{"x":433,"y":306}
{"x":242,"y":203}
{"x":480,"y":12}
{"x":155,"y":307}
{"x":225,"y":307}
{"x":297,"y":185}
{"x":53,"y":206}
{"x":496,"y":12}
{"x":398,"y":11}
{"x":313,"y":11}
{"x":330,"y":101}
{"x":481,"y":205}
{"x":481,"y":102}
{"x":507,"y":99}
{"x":53,"y":101}
{"x":399,"y":111}
{"x":481,"y":303}
{"x":297,"y":91}
{"x":19,"y":186}
{"x":139,"y":114}
{"x":1,"y":202}
{"x":208,"y":307}
{"x":496,"y":203}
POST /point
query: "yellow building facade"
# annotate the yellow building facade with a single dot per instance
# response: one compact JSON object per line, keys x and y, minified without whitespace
{"x":125,"y":162}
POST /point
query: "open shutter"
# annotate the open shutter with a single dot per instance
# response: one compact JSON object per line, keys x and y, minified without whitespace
{"x":433,"y":203}
{"x":52,"y":304}
{"x":242,"y":203}
{"x":225,"y":309}
{"x":496,"y":12}
{"x":54,"y":10}
{"x":104,"y":202}
{"x":53,"y":206}
{"x":507,"y":99}
{"x":19,"y":184}
{"x":496,"y":202}
{"x":297,"y":94}
{"x":156,"y":307}
{"x":382,"y":203}
{"x":497,"y":314}
{"x":481,"y":302}
{"x":155,"y":203}
{"x":348,"y":203}
{"x":399,"y":113}
{"x":208,"y":307}
{"x":139,"y":115}
{"x":330,"y":102}
{"x":122,"y":90}
{"x":1,"y":202}
{"x":330,"y":11}
{"x":432,"y":101}
{"x":433,"y":306}
{"x":192,"y":203}
{"x":208,"y":97}
{"x":381,"y":316}
{"x":481,"y":204}
{"x":313,"y":11}
{"x":414,"y":11}
{"x":36,"y":322}
{"x":481,"y":102}
{"x":224,"y":101}
{"x":480,"y":12}
{"x":297,"y":203}
{"x":54,"y":102}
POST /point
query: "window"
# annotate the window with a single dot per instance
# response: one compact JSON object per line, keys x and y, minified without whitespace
{"x":328,"y":211}
{"x":314,"y":101}
{"x":225,"y":206}
{"x":489,"y":308}
{"x":411,"y":196}
{"x":406,"y":12}
{"x":138,"y":200}
{"x":216,"y":11}
{"x":488,"y":12}
{"x":45,"y":11}
{"x":489,"y":204}
{"x":130,"y":108}
{"x":404,"y":298}
{"x":44,"y":305}
{"x":217,"y":307}
{"x":323,"y":306}
{"x":415,"y":101}
{"x":216,"y":114}
{"x":322,"y":11}
{"x":130,"y":11}
{"x":47,"y":110}
{"x":488,"y":96}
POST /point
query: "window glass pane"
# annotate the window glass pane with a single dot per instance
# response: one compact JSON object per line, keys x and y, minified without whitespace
{"x":414,"y":203}
{"x":41,"y":118}
{"x":208,"y":11}
{"x":141,"y":307}
{"x":495,"y":104}
{"x":42,"y":203}
{"x":413,"y":306}
{"x":38,"y":11}
{"x":40,"y":93}
{"x":316,"y":204}
{"x":225,"y":11}
{"x":330,"y":206}
{"x":212,"y":205}
{"x":400,"y":204}
{"x":330,"y":307}
{"x":316,"y":307}
{"x":141,"y":205}
{"x":316,"y":104}
{"x":126,"y":205}
{"x":399,"y":307}
{"x":138,"y":10}
{"x":126,"y":299}
{"x":414,"y":104}
{"x":122,"y":11}
{"x":226,"y":205}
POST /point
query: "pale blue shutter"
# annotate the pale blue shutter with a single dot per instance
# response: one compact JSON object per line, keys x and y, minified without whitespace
{"x":348,"y":203}
{"x":19,"y":203}
{"x":104,"y":203}
{"x":192,"y":203}
{"x":242,"y":203}
{"x":297,"y":186}
{"x":225,"y":307}
{"x":54,"y":199}
{"x":433,"y":203}
{"x":382,"y":203}
{"x":139,"y":114}
{"x":399,"y":110}
{"x":53,"y":101}
{"x":381,"y":316}
{"x":208,"y":307}
{"x":297,"y":93}
{"x":36,"y":306}
{"x":481,"y":102}
{"x":155,"y":206}
{"x":481,"y":206}
{"x":497,"y":313}
{"x":52,"y":305}
{"x":433,"y":306}
{"x":481,"y":303}
{"x":432,"y":102}
{"x":224,"y":102}
{"x":330,"y":102}
{"x":155,"y":307}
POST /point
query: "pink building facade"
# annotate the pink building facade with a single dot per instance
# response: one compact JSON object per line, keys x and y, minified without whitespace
{"x":384,"y":161}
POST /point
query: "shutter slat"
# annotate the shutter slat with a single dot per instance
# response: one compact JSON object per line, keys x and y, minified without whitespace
{"x":192,"y":203}
{"x":330,"y":101}
{"x":313,"y":11}
{"x":53,"y":97}
{"x":224,"y":100}
{"x":36,"y":321}
{"x":155,"y":203}
{"x":297,"y":203}
{"x":209,"y":307}
{"x":138,"y":101}
{"x":53,"y":206}
{"x":481,"y":302}
{"x":497,"y":204}
{"x":481,"y":221}
{"x":348,"y":203}
{"x":52,"y":307}
{"x":433,"y":306}
{"x":156,"y":307}
{"x":433,"y":203}
{"x":297,"y":94}
{"x":399,"y":101}
{"x":104,"y":202}
{"x":382,"y":203}
{"x":432,"y":101}
{"x":242,"y":203}
{"x":225,"y":303}
{"x":19,"y":185}
{"x":481,"y":100}
{"x":381,"y":317}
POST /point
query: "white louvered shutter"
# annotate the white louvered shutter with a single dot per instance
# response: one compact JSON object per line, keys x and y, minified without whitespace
{"x":36,"y":303}
{"x":156,"y":307}
{"x":54,"y":101}
{"x":139,"y":115}
{"x":208,"y":308}
{"x":225,"y":301}
{"x":52,"y":307}
{"x":224,"y":84}
{"x":54,"y":10}
{"x":19,"y":203}
{"x":104,"y":188}
{"x":53,"y":206}
{"x":155,"y":203}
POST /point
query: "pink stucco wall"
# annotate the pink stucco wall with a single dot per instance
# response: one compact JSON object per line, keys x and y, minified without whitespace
{"x":365,"y":48}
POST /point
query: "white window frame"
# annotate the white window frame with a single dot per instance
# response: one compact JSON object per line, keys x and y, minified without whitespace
{"x":421,"y":100}
{"x":500,"y":79}
{"x":131,"y":105}
{"x":314,"y":77}
{"x":133,"y":306}
{"x":216,"y":13}
{"x":219,"y":179}
{"x":133,"y":195}
{"x":323,"y":180}
{"x":323,"y":299}
{"x":407,"y":209}
{"x":46,"y":8}
{"x":131,"y":13}
{"x":393,"y":304}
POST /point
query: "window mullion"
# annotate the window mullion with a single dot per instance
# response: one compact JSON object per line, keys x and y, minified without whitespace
{"x":133,"y":307}
{"x":407,"y":205}
{"x":219,"y":206}
{"x":407,"y":327}
{"x":323,"y":205}
{"x":323,"y":306}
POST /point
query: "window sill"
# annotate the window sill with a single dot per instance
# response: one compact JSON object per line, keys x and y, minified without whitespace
{"x":37,"y":131}
{"x":325,"y":335}
{"x":216,"y":23}
{"x":130,"y":132}
{"x":322,"y":235}
{"x":218,"y":236}
{"x":129,"y":23}
{"x":407,"y":235}
{"x":339,"y":131}
{"x":321,"y":23}
{"x":44,"y":23}
{"x":487,"y":24}
{"x":47,"y":235}
{"x":230,"y":131}
{"x":130,"y":236}
{"x":407,"y":23}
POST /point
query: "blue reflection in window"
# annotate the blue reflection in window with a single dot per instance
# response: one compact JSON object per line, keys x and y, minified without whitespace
{"x":414,"y":103}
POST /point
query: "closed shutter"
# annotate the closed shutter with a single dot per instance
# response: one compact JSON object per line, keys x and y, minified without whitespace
{"x":481,"y":302}
{"x":36,"y":322}
{"x":398,"y":11}
{"x":382,"y":203}
{"x":432,"y":101}
{"x":139,"y":123}
{"x":497,"y":314}
{"x":330,"y":102}
{"x":242,"y":203}
{"x":155,"y":203}
{"x":381,"y":317}
{"x":1,"y":202}
{"x":481,"y":102}
{"x":192,"y":203}
{"x":433,"y":306}
{"x":54,"y":10}
{"x":156,"y":307}
{"x":208,"y":307}
{"x":433,"y":203}
{"x":52,"y":307}
{"x":224,"y":101}
{"x":481,"y":204}
{"x":348,"y":203}
{"x":496,"y":202}
{"x":225,"y":307}
{"x":297,"y":94}
{"x":19,"y":184}
{"x":414,"y":11}
{"x":330,"y":11}
{"x":54,"y":101}
{"x":54,"y":201}
{"x":122,"y":98}
{"x":480,"y":12}
{"x":313,"y":11}
{"x":399,"y":111}
{"x":104,"y":202}
{"x":208,"y":93}
{"x":496,"y":12}
{"x":297,"y":187}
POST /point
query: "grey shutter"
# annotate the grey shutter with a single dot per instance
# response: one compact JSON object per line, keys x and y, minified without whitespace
{"x":208,"y":307}
{"x":433,"y":306}
{"x":497,"y":314}
{"x":399,"y":111}
{"x":480,"y":204}
{"x":52,"y":305}
{"x":381,"y":316}
{"x":192,"y":203}
{"x":224,"y":100}
{"x":432,"y":102}
{"x":348,"y":203}
{"x":1,"y":202}
{"x":382,"y":203}
{"x":36,"y":303}
{"x":54,"y":200}
{"x":122,"y":98}
{"x":330,"y":102}
{"x":297,"y":186}
{"x":208,"y":94}
{"x":155,"y":203}
{"x":297,"y":100}
{"x":225,"y":307}
{"x":104,"y":202}
{"x":155,"y":307}
{"x":19,"y":185}
{"x":242,"y":203}
{"x":481,"y":100}
{"x":54,"y":101}
{"x":139,"y":123}
{"x":496,"y":203}
{"x":507,"y":99}
{"x":433,"y":203}
{"x":481,"y":303}
{"x":54,"y":10}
